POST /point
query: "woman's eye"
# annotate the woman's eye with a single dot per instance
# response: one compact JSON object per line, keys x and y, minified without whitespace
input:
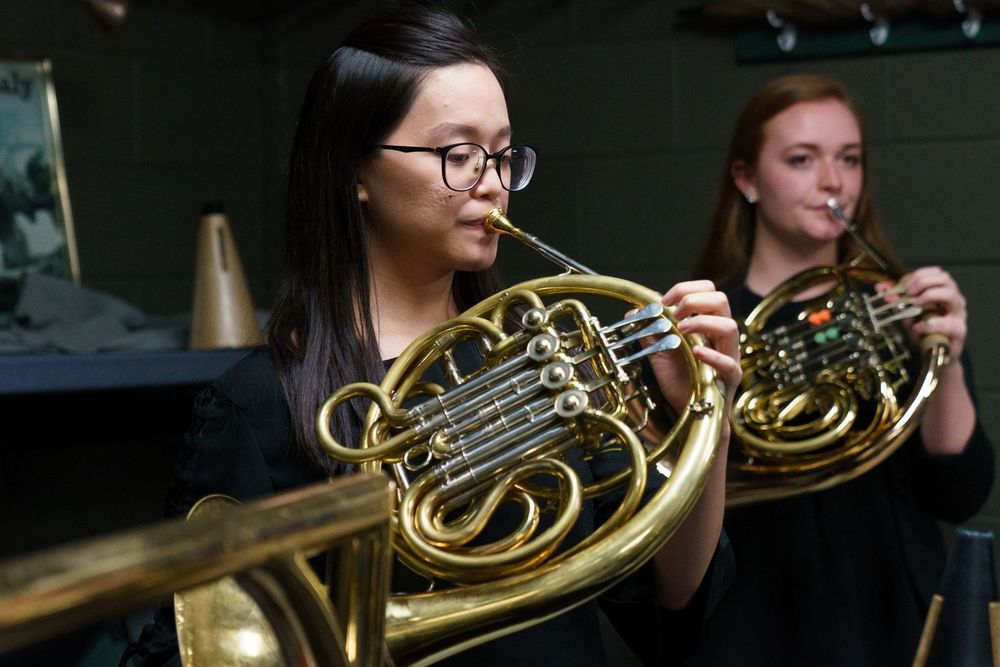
{"x":799,"y":160}
{"x":458,"y":157}
{"x":852,"y":160}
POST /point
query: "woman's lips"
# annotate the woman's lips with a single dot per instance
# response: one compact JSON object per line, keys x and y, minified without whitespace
{"x":476,"y":223}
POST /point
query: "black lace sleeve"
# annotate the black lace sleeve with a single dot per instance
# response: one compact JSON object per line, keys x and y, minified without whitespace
{"x":240,"y":442}
{"x":218,"y":455}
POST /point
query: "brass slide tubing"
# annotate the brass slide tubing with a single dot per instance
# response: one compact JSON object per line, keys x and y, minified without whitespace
{"x":260,"y":544}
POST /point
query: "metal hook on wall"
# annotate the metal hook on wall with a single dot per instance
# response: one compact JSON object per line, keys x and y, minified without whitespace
{"x":972,"y":18}
{"x":878,"y":33}
{"x":788,"y":36}
{"x":107,"y":15}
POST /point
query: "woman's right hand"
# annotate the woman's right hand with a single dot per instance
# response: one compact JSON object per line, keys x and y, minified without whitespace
{"x":700,"y":309}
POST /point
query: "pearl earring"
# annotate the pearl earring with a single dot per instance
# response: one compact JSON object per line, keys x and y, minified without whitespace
{"x":751,"y":199}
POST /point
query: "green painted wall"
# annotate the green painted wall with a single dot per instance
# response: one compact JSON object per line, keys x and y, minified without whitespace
{"x":157,"y":117}
{"x":630,"y":113}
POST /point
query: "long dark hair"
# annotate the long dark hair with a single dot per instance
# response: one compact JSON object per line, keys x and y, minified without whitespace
{"x":726,"y":254}
{"x":320,"y":331}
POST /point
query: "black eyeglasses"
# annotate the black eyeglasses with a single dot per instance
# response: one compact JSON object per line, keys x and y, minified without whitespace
{"x":463,"y":165}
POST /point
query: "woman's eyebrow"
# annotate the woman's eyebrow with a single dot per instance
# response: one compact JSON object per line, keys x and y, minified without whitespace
{"x":449,"y":130}
{"x":815,"y":147}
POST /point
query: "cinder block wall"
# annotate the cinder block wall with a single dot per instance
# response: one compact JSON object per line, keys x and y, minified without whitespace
{"x":163,"y":114}
{"x":188,"y":102}
{"x":632,"y":116}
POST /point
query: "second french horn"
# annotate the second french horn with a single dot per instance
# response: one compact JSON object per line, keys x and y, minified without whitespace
{"x":830,"y":395}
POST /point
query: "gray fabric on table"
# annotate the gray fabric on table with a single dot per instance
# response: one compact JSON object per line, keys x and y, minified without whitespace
{"x":54,"y":315}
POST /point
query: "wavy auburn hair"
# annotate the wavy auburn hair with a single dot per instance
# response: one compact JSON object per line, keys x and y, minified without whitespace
{"x":726,"y":253}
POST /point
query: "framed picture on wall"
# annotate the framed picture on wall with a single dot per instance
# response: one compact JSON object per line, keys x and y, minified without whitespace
{"x":36,"y":225}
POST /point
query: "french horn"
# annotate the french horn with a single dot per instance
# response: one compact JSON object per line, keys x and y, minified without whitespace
{"x":830,"y":395}
{"x":554,"y":381}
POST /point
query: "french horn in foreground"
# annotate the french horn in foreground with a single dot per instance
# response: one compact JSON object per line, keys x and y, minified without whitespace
{"x":555,"y":381}
{"x":829,"y":396}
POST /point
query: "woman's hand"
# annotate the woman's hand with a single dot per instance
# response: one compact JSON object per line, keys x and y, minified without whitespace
{"x":701,"y":309}
{"x":950,"y":416}
{"x":934,"y":290}
{"x":681,"y":564}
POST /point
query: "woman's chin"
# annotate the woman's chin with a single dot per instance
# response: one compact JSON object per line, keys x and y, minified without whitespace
{"x":825,"y":231}
{"x":480,"y":264}
{"x":481,"y":260}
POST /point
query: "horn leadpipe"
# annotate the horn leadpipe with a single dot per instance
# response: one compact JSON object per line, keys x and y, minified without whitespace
{"x":834,"y":205}
{"x":928,"y":340}
{"x":497,"y":222}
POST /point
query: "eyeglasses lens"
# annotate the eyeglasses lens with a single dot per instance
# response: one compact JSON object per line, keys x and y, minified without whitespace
{"x":464,"y":165}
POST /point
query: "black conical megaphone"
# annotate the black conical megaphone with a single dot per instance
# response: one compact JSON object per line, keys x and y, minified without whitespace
{"x":963,"y":613}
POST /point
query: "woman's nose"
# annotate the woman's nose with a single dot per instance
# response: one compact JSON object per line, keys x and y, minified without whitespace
{"x":489,"y":185}
{"x":829,"y":177}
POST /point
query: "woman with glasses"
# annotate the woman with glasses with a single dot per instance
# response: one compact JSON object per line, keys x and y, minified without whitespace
{"x":402,"y":148}
{"x":841,"y":576}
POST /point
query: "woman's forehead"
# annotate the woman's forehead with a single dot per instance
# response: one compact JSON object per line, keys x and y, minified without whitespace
{"x":458,"y":101}
{"x":820,"y":123}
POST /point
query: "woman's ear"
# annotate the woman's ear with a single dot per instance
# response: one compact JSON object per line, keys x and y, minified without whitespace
{"x":362,"y":190}
{"x":744,"y":179}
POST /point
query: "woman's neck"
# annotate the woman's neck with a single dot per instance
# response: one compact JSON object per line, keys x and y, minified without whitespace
{"x":404,"y":308}
{"x":775,"y":260}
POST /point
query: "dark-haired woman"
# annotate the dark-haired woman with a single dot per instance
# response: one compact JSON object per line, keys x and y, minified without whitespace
{"x":842,"y":576}
{"x":402,"y":148}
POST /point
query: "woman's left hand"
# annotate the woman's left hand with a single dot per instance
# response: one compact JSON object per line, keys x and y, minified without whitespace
{"x":936,"y":291}
{"x":700,"y":309}
{"x":950,"y":418}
